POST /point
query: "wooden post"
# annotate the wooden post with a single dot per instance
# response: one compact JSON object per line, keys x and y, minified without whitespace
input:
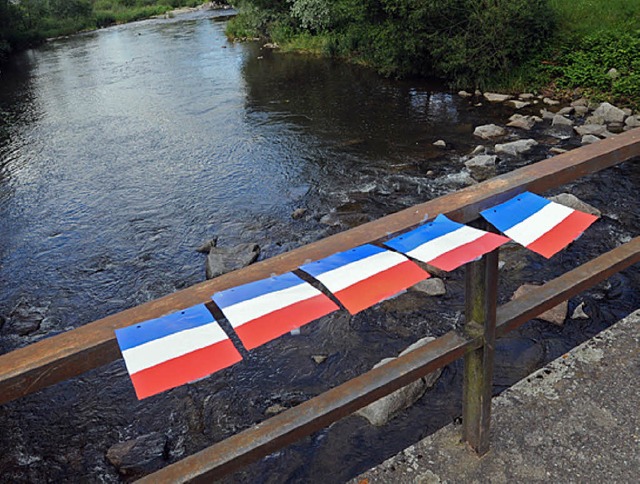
{"x":480,"y":314}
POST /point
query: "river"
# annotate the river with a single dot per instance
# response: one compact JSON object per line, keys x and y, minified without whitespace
{"x":123,"y":150}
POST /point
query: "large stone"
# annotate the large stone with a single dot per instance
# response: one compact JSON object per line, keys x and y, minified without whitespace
{"x":518,"y":104}
{"x":516,"y":148}
{"x":431,"y":287}
{"x":559,"y":120}
{"x":609,"y":113}
{"x":555,"y":315}
{"x":464,"y":94}
{"x":522,"y":122}
{"x":592,"y":129}
{"x":139,"y":456}
{"x":581,"y":110}
{"x":550,"y":102}
{"x":26,"y":318}
{"x":632,"y":121}
{"x":482,"y":167}
{"x":381,"y":411}
{"x":496,"y":98}
{"x":548,"y":115}
{"x":226,"y":259}
{"x":580,"y":102}
{"x":526,"y":96}
{"x":566,"y":110}
{"x":571,"y":201}
{"x":589,"y":139}
{"x":489,"y":131}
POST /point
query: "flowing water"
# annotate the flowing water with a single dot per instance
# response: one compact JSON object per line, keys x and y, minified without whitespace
{"x":123,"y":150}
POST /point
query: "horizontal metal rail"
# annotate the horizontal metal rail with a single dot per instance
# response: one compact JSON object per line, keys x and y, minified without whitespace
{"x":232,"y":454}
{"x":61,"y":357}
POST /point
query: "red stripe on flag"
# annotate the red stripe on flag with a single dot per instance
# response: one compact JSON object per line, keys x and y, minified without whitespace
{"x":562,"y":234}
{"x":265,"y":328}
{"x":467,"y":252}
{"x":380,"y":286}
{"x":184,"y":369}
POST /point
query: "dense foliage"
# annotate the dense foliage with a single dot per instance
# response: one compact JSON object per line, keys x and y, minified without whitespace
{"x":470,"y":42}
{"x":592,"y":37}
{"x":25,"y":22}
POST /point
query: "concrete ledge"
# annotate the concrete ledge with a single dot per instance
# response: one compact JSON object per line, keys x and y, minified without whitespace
{"x":575,"y":420}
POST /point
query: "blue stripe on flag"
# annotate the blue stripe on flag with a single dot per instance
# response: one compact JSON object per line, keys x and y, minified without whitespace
{"x":423,"y":234}
{"x":153,"y":329}
{"x":514,"y":211}
{"x":232,"y":296}
{"x":341,"y":259}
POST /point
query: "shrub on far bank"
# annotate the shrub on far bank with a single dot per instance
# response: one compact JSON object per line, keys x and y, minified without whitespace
{"x":468,"y":42}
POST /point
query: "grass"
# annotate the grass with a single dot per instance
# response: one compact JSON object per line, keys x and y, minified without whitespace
{"x":592,"y":37}
{"x":584,"y":17}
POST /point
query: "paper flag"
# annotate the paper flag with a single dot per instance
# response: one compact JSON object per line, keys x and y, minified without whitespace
{"x":263,"y":310}
{"x":446,"y":244}
{"x":170,"y":351}
{"x":366,"y":275}
{"x":539,"y":224}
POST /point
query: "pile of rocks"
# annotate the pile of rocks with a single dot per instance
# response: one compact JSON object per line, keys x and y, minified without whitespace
{"x":592,"y":122}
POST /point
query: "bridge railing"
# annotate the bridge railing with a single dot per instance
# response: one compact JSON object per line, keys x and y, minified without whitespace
{"x":29,"y":369}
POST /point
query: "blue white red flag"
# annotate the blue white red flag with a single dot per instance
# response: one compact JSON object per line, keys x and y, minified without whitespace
{"x":366,"y":275}
{"x":539,"y":224}
{"x":446,"y":244}
{"x":170,"y":351}
{"x":263,"y":310}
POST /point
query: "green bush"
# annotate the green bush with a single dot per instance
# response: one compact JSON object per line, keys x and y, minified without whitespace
{"x":469,"y":42}
{"x":586,"y":66}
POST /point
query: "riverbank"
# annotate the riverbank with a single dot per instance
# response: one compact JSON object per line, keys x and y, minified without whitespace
{"x":566,"y":49}
{"x":575,"y":420}
{"x":30,"y":24}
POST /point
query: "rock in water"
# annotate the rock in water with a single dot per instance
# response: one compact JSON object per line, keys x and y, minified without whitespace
{"x":489,"y":131}
{"x":139,"y":456}
{"x":25,"y":318}
{"x":555,"y":315}
{"x":516,"y":148}
{"x":609,"y":113}
{"x":493,"y":97}
{"x":559,"y":120}
{"x":482,"y":167}
{"x":571,"y":201}
{"x":207,"y":246}
{"x":431,"y":287}
{"x":226,"y":259}
{"x":381,"y":411}
{"x":591,"y":129}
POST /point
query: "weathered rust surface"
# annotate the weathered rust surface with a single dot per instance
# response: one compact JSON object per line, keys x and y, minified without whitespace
{"x":481,"y":296}
{"x":259,"y":441}
{"x":55,"y":359}
{"x":518,"y":311}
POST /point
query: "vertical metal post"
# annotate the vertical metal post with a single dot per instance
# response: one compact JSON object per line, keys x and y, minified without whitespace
{"x":480,"y":313}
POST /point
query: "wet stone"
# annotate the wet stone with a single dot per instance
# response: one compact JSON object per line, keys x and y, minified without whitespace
{"x":26,"y":318}
{"x":381,"y":411}
{"x":571,"y":201}
{"x":482,"y":167}
{"x":431,"y":287}
{"x":298,"y":213}
{"x":226,"y":259}
{"x":139,"y":456}
{"x":489,"y":131}
{"x":555,"y":315}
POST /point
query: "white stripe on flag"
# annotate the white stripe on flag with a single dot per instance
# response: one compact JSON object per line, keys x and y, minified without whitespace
{"x":251,"y":309}
{"x":435,"y":248}
{"x":175,"y":345}
{"x":344,"y":276}
{"x":538,"y":224}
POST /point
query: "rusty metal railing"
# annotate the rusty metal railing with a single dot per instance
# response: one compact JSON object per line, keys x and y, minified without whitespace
{"x":61,"y":357}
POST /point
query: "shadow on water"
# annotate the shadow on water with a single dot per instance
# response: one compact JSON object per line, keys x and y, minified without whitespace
{"x":145,"y":140}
